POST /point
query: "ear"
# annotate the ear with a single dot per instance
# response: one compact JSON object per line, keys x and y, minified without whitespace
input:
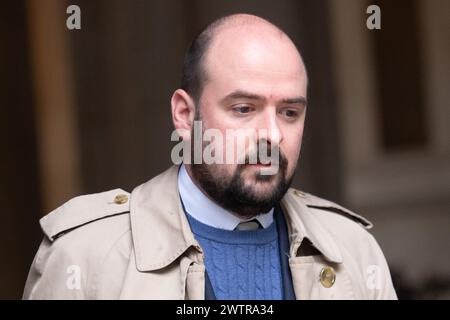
{"x":183,"y":113}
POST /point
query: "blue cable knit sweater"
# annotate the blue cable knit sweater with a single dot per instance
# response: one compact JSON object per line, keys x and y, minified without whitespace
{"x":241,"y":264}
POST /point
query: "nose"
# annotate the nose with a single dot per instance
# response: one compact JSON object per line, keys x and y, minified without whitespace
{"x":268,"y":127}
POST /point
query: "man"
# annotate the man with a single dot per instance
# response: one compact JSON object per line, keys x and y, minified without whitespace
{"x":218,"y":230}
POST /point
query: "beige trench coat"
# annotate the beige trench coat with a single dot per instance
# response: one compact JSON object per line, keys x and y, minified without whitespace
{"x":115,"y":245}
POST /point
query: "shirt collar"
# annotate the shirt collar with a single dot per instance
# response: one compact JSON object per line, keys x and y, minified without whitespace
{"x":203,"y":209}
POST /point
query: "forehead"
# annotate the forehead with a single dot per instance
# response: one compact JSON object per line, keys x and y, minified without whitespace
{"x":256,"y":60}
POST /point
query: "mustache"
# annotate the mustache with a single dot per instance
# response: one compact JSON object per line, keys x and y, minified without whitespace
{"x":263,"y":152}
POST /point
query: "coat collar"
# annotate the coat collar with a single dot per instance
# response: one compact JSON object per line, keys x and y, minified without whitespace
{"x":302,"y":223}
{"x":161,"y":231}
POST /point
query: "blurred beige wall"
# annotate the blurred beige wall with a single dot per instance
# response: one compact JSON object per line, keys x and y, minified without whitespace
{"x":405,"y":192}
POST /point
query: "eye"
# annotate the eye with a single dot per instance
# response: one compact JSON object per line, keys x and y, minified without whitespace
{"x":289,"y":113}
{"x":242,"y":109}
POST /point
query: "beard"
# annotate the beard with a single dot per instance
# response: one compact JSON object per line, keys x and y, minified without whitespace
{"x":233,"y":193}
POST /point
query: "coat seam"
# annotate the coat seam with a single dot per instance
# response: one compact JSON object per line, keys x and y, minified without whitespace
{"x":93,"y":288}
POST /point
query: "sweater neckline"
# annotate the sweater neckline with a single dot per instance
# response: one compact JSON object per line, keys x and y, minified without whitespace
{"x":248,"y":237}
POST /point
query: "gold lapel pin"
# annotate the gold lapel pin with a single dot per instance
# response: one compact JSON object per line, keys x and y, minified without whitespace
{"x":121,"y":199}
{"x":327,"y":277}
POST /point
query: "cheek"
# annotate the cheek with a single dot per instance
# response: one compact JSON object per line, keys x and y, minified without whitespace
{"x":291,"y":144}
{"x":214,"y":118}
{"x":292,"y":153}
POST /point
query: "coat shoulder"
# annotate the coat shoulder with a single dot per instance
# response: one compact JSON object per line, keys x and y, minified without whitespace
{"x":327,"y":206}
{"x":92,"y":211}
{"x":83,"y":237}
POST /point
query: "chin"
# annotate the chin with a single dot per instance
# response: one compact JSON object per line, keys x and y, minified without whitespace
{"x":261,"y":190}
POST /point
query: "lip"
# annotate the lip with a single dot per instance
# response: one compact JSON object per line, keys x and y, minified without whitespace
{"x":259,"y":165}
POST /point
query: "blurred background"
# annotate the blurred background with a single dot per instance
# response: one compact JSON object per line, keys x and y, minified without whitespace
{"x":88,"y":110}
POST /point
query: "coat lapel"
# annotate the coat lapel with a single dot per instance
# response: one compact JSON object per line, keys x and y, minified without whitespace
{"x":167,"y":261}
{"x":305,"y":270}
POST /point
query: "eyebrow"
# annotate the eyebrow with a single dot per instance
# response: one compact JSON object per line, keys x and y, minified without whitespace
{"x":239,"y":94}
{"x":297,"y":100}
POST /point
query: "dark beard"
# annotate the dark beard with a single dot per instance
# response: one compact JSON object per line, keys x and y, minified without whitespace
{"x":233,"y":195}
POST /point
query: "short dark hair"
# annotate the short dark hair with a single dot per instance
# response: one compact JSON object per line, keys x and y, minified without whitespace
{"x":193,"y":74}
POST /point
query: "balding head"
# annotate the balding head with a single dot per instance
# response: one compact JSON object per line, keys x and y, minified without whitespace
{"x":242,"y":72}
{"x":225,"y":33}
